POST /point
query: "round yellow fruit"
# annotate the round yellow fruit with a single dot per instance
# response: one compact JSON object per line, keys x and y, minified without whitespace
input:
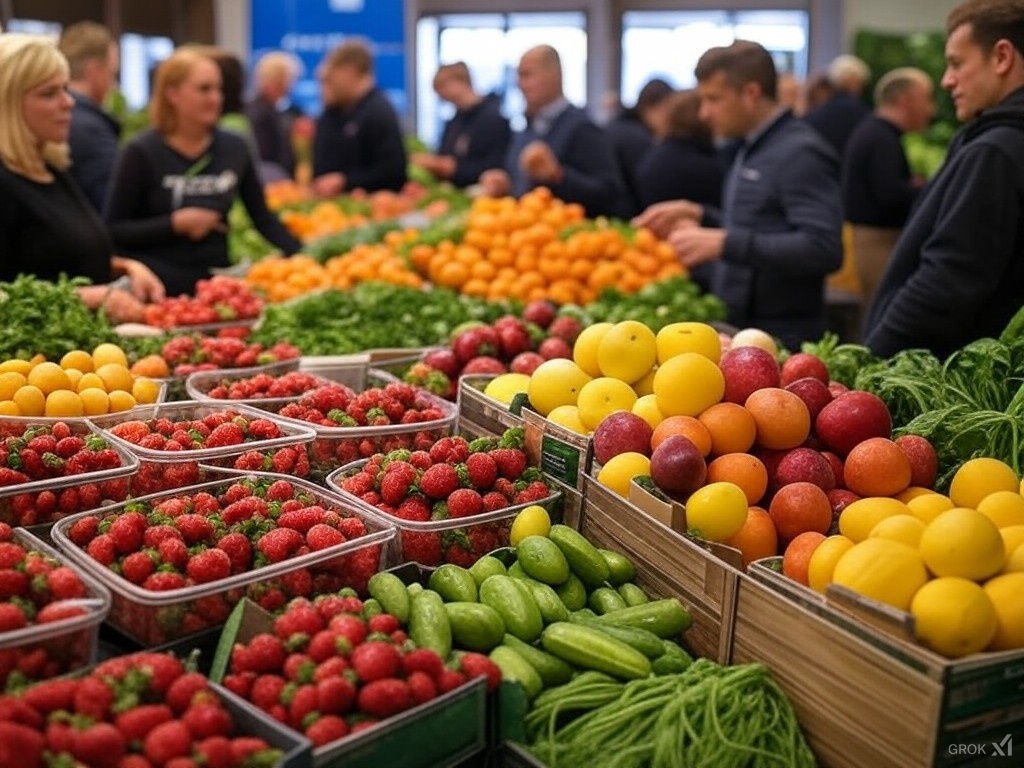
{"x":584,"y":351}
{"x":90,"y":381}
{"x":502,"y":388}
{"x":858,"y":519}
{"x":621,"y":469}
{"x":1004,"y":508}
{"x":954,"y":616}
{"x":905,"y":529}
{"x":913,"y":492}
{"x":11,"y":382}
{"x":1004,"y":592}
{"x":14,"y":365}
{"x":822,"y":564}
{"x":95,"y":401}
{"x":121,"y":401}
{"x":927,"y":508}
{"x":627,"y":351}
{"x":882,"y":570}
{"x":63,"y":404}
{"x":646,"y":385}
{"x":977,"y":478}
{"x":9,"y":408}
{"x":1013,"y":537}
{"x":554,"y":383}
{"x":646,"y":407}
{"x":115,"y":377}
{"x":755,"y":337}
{"x":687,"y":385}
{"x":49,"y":377}
{"x":1015,"y":562}
{"x":963,"y":542}
{"x":532,"y":521}
{"x":717,"y":511}
{"x":30,"y":400}
{"x":108,"y":353}
{"x":677,"y":338}
{"x":568,"y":416}
{"x":601,"y":397}
{"x":146,"y":391}
{"x":77,"y":359}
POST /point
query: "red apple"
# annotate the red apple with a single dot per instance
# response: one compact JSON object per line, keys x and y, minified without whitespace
{"x":540,"y":313}
{"x":445,"y":361}
{"x":813,"y":392}
{"x":565,"y":327}
{"x":801,"y":366}
{"x":554,"y":347}
{"x":481,"y":341}
{"x":484,"y":364}
{"x":924,"y":464}
{"x":837,"y":388}
{"x":805,"y":465}
{"x":526,"y":362}
{"x":621,"y":432}
{"x":746,"y":370}
{"x":513,"y":339}
{"x":677,"y":466}
{"x":852,"y":418}
{"x":837,"y":468}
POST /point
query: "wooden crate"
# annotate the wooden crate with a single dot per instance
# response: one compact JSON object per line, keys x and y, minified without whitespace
{"x":563,"y":454}
{"x":865,"y":697}
{"x":483,"y":411}
{"x":668,"y":565}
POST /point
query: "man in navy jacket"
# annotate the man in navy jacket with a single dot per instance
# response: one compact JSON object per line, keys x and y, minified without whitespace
{"x":779,"y":231}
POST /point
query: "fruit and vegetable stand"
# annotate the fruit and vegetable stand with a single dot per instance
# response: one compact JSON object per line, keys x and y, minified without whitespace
{"x":410,"y":522}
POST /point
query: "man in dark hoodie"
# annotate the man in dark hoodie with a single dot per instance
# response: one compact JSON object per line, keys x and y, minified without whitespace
{"x":957,"y":271}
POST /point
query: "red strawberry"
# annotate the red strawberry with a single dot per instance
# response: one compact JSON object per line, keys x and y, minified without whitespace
{"x":167,"y":741}
{"x":182,"y":692}
{"x":303,"y":519}
{"x":127,"y":531}
{"x":173,"y":552}
{"x":20,"y":746}
{"x":439,"y":481}
{"x":384,"y":698}
{"x":423,"y":660}
{"x":64,"y":584}
{"x":483,"y":470}
{"x":280,"y":544}
{"x":163,"y":669}
{"x":423,"y":548}
{"x":280,"y":490}
{"x":138,"y":721}
{"x":93,"y":698}
{"x":449,"y":680}
{"x":157,"y":533}
{"x":163,"y":581}
{"x":13,"y":583}
{"x":535,"y":491}
{"x":11,"y":617}
{"x":206,"y":720}
{"x":376,"y":661}
{"x":60,"y":737}
{"x":326,"y":729}
{"x":478,"y":665}
{"x":511,"y":462}
{"x":300,"y":618}
{"x":228,"y":433}
{"x":101,"y":745}
{"x":266,"y":654}
{"x":422,"y":687}
{"x":236,"y":492}
{"x":263,"y":429}
{"x":240,"y":684}
{"x":299,"y":668}
{"x":52,"y":612}
{"x":245,"y":746}
{"x":194,"y":528}
{"x":266,"y":691}
{"x":11,"y":554}
{"x":137,"y":567}
{"x":84,"y":530}
{"x":322,"y":536}
{"x":50,"y":695}
{"x":384,"y":623}
{"x":209,"y":565}
{"x":303,"y":703}
{"x":238,"y":549}
{"x":298,"y":583}
{"x":215,"y":752}
{"x":335,"y":695}
{"x":244,"y":509}
{"x":464,"y":502}
{"x":414,"y":508}
{"x":102,"y":549}
{"x":394,"y":487}
{"x":333,"y":667}
{"x":352,"y":628}
{"x":493,"y":501}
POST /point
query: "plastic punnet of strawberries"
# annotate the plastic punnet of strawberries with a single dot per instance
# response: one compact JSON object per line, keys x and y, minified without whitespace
{"x":189,"y":353}
{"x":327,"y":670}
{"x":141,"y":709}
{"x":217,"y":299}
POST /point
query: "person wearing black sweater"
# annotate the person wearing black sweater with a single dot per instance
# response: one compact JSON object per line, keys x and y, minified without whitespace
{"x":174,"y":185}
{"x":633,"y":133}
{"x":839,"y":115}
{"x":275,"y":74}
{"x":957,"y":271}
{"x":477,"y":136}
{"x":358,"y":142}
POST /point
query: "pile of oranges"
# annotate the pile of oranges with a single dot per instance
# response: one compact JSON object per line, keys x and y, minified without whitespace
{"x":285,"y":192}
{"x":322,"y":219}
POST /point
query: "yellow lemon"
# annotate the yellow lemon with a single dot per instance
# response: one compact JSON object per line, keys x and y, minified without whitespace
{"x":954,"y":616}
{"x":74,"y":376}
{"x":627,"y":352}
{"x":584,"y":351}
{"x":108,"y":353}
{"x":646,"y":385}
{"x":568,"y":416}
{"x":77,"y":359}
{"x":121,"y":401}
{"x":646,"y":407}
{"x":906,"y":529}
{"x":16,"y":366}
{"x":823,"y":562}
{"x":927,"y":508}
{"x":1004,"y":592}
{"x":554,"y":383}
{"x":115,"y":377}
{"x":621,"y":469}
{"x":532,"y":521}
{"x":688,"y":384}
{"x":49,"y":377}
{"x":882,"y":570}
{"x":858,"y":519}
{"x":913,"y":492}
{"x":30,"y":400}
{"x":145,"y":391}
{"x":95,"y":401}
{"x":603,"y":396}
{"x":1004,"y":508}
{"x":977,"y":478}
{"x":11,"y":382}
{"x":963,"y":542}
{"x":505,"y":387}
{"x":717,"y":511}
{"x":9,"y":408}
{"x":63,"y":404}
{"x":677,"y":338}
{"x":90,"y":381}
{"x":1015,"y":562}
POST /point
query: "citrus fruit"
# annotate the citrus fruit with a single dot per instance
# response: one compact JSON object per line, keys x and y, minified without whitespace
{"x":755,"y":337}
{"x":153,"y":366}
{"x":9,"y":408}
{"x":627,"y":351}
{"x":108,"y":353}
{"x":858,"y":519}
{"x":1004,"y":508}
{"x":90,"y":381}
{"x":64,"y":404}
{"x":746,"y":471}
{"x":905,"y":529}
{"x":17,"y":366}
{"x":1015,"y":562}
{"x":30,"y":400}
{"x":732,"y":428}
{"x":954,"y":616}
{"x":823,"y":561}
{"x":568,"y":416}
{"x":912,"y":492}
{"x":77,"y":359}
{"x":796,"y":559}
{"x":688,"y":427}
{"x":646,"y":407}
{"x":601,"y":397}
{"x":927,"y":508}
{"x":621,"y":469}
{"x":688,"y":384}
{"x":757,"y":538}
{"x":963,"y":542}
{"x":505,"y":387}
{"x":876,"y":467}
{"x":74,"y":376}
{"x":121,"y":401}
{"x":532,"y":521}
{"x":882,"y":570}
{"x":800,"y":507}
{"x":1004,"y":592}
{"x":145,"y":391}
{"x":677,"y":338}
{"x":584,"y":351}
{"x":782,"y":418}
{"x":977,"y":478}
{"x":554,"y":383}
{"x":717,"y":511}
{"x":49,"y":377}
{"x":95,"y":401}
{"x":1013,"y":538}
{"x":115,"y":377}
{"x":646,"y":385}
{"x":11,"y":382}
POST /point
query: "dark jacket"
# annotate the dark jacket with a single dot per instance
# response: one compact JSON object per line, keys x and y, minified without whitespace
{"x":957,"y":271}
{"x":94,"y":142}
{"x":680,"y":169}
{"x":836,"y":119}
{"x":631,"y":141}
{"x":364,"y":143}
{"x":269,"y":129}
{"x":784,"y":223}
{"x":878,"y":190}
{"x":477,"y":138}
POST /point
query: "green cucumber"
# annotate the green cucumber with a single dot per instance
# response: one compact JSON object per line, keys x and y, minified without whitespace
{"x":582,"y":613}
{"x":486,"y":566}
{"x":572,"y":594}
{"x":515,"y":605}
{"x":589,"y":648}
{"x":552,"y":670}
{"x":454,"y":584}
{"x":475,"y":626}
{"x":414,"y":589}
{"x":620,"y":567}
{"x":665,"y":618}
{"x":605,"y":600}
{"x":428,"y":623}
{"x":388,"y":590}
{"x":517,"y":669}
{"x":516,"y":571}
{"x":551,"y":607}
{"x":583,"y":557}
{"x":632,"y":594}
{"x":372,"y":607}
{"x":542,"y":560}
{"x":673,"y":661}
{"x":648,"y":643}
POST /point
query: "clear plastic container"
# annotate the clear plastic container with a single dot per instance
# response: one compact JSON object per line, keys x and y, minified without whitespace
{"x":164,"y":470}
{"x":153,"y":618}
{"x":68,"y":644}
{"x":199,"y":384}
{"x":9,"y":425}
{"x":213,"y":329}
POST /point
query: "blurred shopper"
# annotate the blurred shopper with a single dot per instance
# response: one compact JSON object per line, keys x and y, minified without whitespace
{"x":790,"y":93}
{"x":358,"y":141}
{"x":477,"y":136}
{"x":778,"y":233}
{"x":561,"y":148}
{"x":174,"y":184}
{"x":275,"y":76}
{"x":836,"y":118}
{"x":957,"y":271}
{"x":878,"y":190}
{"x":93,"y":59}
{"x":47,"y":225}
{"x":816,"y":92}
{"x":634,"y":131}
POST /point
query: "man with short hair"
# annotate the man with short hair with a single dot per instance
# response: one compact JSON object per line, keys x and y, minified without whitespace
{"x":93,"y":60}
{"x":878,"y":190}
{"x":274,"y":77}
{"x":843,"y":111}
{"x":779,"y":231}
{"x":561,"y":148}
{"x":957,"y":272}
{"x":358,"y":141}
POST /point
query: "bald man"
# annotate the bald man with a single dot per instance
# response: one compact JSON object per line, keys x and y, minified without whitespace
{"x":561,"y":148}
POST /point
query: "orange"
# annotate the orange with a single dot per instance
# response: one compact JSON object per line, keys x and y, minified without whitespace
{"x":782,"y":418}
{"x":742,"y":469}
{"x":49,"y":377}
{"x":757,"y":538}
{"x":798,"y":508}
{"x":153,"y":366}
{"x":688,"y":427}
{"x":452,"y":274}
{"x":876,"y":467}
{"x":797,"y":557}
{"x":731,"y":427}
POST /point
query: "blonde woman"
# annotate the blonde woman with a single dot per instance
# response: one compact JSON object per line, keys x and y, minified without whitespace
{"x":47,"y":226}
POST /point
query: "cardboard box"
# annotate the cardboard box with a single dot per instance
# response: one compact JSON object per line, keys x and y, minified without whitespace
{"x":484,"y":411}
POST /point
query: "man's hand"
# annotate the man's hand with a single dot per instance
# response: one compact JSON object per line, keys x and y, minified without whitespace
{"x":697,"y":245}
{"x":662,"y":218}
{"x":146,"y":286}
{"x":196,"y":223}
{"x":329,"y":185}
{"x":442,"y":166}
{"x":540,"y":164}
{"x":495,"y":183}
{"x":122,"y":307}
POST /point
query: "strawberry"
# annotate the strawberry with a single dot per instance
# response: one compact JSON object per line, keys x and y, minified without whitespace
{"x":58,"y":612}
{"x":335,"y":695}
{"x":478,"y":665}
{"x":511,"y":462}
{"x":326,"y":729}
{"x":206,"y":720}
{"x":266,"y":654}
{"x":352,"y":527}
{"x":245,"y":747}
{"x":11,"y":617}
{"x":303,"y":519}
{"x":376,"y":661}
{"x":298,"y":583}
{"x":13,"y":583}
{"x":102,"y":549}
{"x":84,"y":530}
{"x":465,"y":502}
{"x":300,"y":618}
{"x":93,"y":698}
{"x":449,"y":680}
{"x":423,"y":660}
{"x":236,"y":492}
{"x":239,"y":684}
{"x":163,"y":581}
{"x":238,"y":549}
{"x":457,"y":554}
{"x":483,"y":470}
{"x":173,"y":552}
{"x":422,"y":687}
{"x":11,"y":554}
{"x":128,"y":530}
{"x":205,"y":504}
{"x":163,"y":669}
{"x":493,"y":501}
{"x":209,"y":565}
{"x":299,"y":668}
{"x":384,"y":698}
{"x":439,"y":481}
{"x":167,"y":741}
{"x":384,"y":623}
{"x":280,"y":544}
{"x":101,"y":745}
{"x":135,"y":723}
{"x":228,"y":433}
{"x":50,"y":695}
{"x":215,"y":752}
{"x":182,"y":692}
{"x":137,"y":567}
{"x":20,"y":746}
{"x":284,"y":460}
{"x":129,"y":431}
{"x":303,"y":703}
{"x":486,"y":538}
{"x":322,"y":536}
{"x":350,"y":628}
{"x":333,"y":667}
{"x":535,"y":491}
{"x":266,"y":691}
{"x":244,"y":509}
{"x":421,"y":547}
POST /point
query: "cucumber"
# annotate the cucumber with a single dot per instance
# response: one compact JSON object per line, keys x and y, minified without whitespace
{"x":515,"y":605}
{"x":632,"y":594}
{"x":542,"y":560}
{"x":372,"y":607}
{"x":414,"y":589}
{"x":665,"y":618}
{"x":620,"y":568}
{"x":583,"y":557}
{"x":517,"y":669}
{"x":605,"y":600}
{"x":551,"y":608}
{"x":428,"y":623}
{"x":486,"y":566}
{"x":388,"y":590}
{"x":648,"y":643}
{"x":552,"y":670}
{"x":588,"y":648}
{"x":475,"y":626}
{"x":454,"y":584}
{"x":673,"y":661}
{"x":516,"y":571}
{"x":582,"y":613}
{"x":572,"y":594}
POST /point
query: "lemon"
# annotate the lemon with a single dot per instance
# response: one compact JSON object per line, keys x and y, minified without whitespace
{"x":677,"y":338}
{"x":63,"y":404}
{"x":145,"y":391}
{"x":1013,"y":537}
{"x":74,"y":376}
{"x":1004,"y":508}
{"x":882,"y":570}
{"x":823,"y":562}
{"x":927,"y":508}
{"x":90,"y":381}
{"x":554,"y":383}
{"x":954,"y":616}
{"x":77,"y":359}
{"x":121,"y":401}
{"x":95,"y":401}
{"x":621,"y":469}
{"x":627,"y":351}
{"x":963,"y":542}
{"x":905,"y":529}
{"x":584,"y":351}
{"x":30,"y":400}
{"x":9,"y":408}
{"x":49,"y":377}
{"x":11,"y":382}
{"x":688,"y":384}
{"x":858,"y":519}
{"x":646,"y":385}
{"x":505,"y":387}
{"x":108,"y":353}
{"x":977,"y":478}
{"x":646,"y":407}
{"x":601,"y":397}
{"x":532,"y":521}
{"x":115,"y":377}
{"x":913,"y":492}
{"x":16,"y":366}
{"x":717,"y":511}
{"x":1015,"y":562}
{"x":1004,"y":592}
{"x":568,"y":416}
